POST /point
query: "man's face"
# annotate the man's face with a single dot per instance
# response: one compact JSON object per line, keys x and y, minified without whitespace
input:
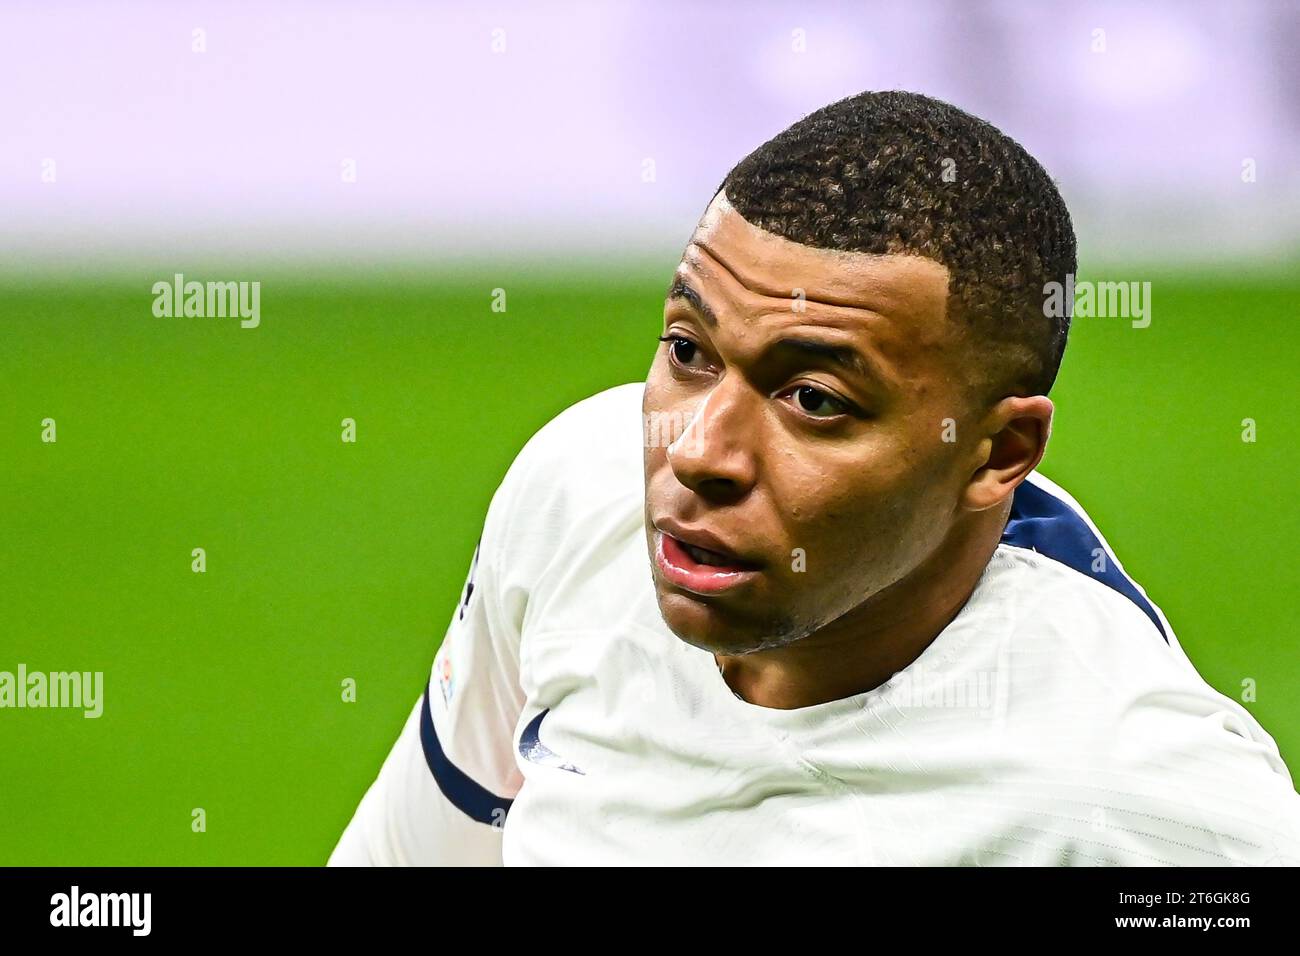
{"x":807,"y":431}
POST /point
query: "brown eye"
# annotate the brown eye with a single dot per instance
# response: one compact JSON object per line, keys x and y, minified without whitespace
{"x":817,"y":403}
{"x":682,"y":349}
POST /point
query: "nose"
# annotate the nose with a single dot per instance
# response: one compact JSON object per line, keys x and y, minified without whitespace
{"x":712,"y":456}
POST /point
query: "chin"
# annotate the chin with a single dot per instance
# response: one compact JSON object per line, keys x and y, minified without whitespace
{"x":710,"y":627}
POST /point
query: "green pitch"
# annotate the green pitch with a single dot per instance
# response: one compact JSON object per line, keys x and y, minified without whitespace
{"x":328,"y":561}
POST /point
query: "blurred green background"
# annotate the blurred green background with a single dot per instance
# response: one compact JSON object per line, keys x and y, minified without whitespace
{"x":328,"y":560}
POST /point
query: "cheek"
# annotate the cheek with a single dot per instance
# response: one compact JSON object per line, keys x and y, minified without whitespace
{"x":654,"y":401}
{"x":823,"y":514}
{"x":652,"y":395}
{"x":860,"y":519}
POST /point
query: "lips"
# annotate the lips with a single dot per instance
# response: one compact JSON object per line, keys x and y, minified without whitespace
{"x":707,"y":548}
{"x":693,"y":567}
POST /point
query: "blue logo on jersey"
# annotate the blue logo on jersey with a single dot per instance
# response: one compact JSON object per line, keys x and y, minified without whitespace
{"x":533,"y":750}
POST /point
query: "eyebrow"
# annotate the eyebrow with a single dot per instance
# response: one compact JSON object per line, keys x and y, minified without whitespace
{"x":681,"y":289}
{"x":848,"y":358}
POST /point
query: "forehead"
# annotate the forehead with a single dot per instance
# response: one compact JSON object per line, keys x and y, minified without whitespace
{"x":896,"y":300}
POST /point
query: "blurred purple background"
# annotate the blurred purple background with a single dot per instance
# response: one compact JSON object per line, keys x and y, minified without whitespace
{"x":463,"y":151}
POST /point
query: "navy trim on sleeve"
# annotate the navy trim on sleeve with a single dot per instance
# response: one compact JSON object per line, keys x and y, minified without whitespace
{"x":1044,"y":523}
{"x":474,"y":801}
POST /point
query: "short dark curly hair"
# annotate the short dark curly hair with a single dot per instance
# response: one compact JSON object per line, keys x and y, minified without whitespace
{"x":867,"y":174}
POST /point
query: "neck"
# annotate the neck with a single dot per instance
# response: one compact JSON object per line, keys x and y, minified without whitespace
{"x":862,"y":649}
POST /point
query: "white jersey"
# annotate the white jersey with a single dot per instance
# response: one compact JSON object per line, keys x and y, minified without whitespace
{"x":1055,"y":720}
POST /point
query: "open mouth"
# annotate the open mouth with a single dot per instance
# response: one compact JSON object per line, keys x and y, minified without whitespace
{"x":700,"y":570}
{"x":714,"y":559}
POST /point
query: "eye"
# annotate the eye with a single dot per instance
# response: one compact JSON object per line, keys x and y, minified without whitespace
{"x":819,"y":404}
{"x":680,"y":349}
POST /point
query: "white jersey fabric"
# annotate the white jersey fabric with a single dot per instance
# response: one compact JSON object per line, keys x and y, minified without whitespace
{"x":1056,"y":720}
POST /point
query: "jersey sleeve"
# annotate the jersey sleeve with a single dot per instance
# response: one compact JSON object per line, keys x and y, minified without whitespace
{"x":442,"y":794}
{"x":1206,"y":786}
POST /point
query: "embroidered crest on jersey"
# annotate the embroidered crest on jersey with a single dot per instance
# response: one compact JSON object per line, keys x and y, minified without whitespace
{"x":445,"y":682}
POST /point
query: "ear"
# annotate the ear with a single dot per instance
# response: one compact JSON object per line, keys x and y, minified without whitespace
{"x":1017,"y":429}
